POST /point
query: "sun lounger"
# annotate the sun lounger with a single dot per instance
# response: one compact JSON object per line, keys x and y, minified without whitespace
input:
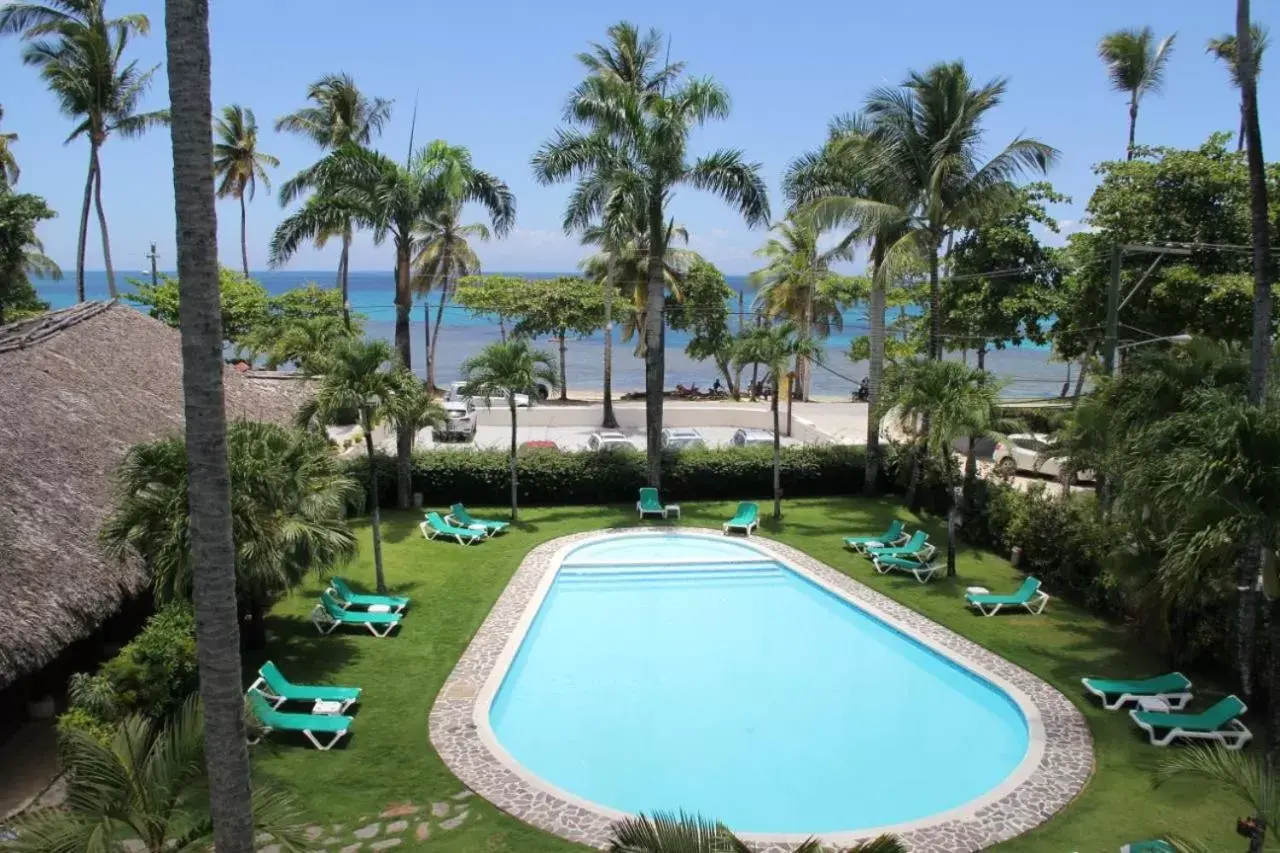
{"x":277,"y":690}
{"x":348,"y":598}
{"x":649,"y":503}
{"x":917,"y":548}
{"x":310,"y":725}
{"x":459,"y":517}
{"x":1219,"y":723}
{"x":328,"y":615}
{"x":892,"y":537}
{"x":1174,"y":688}
{"x":1029,"y":595}
{"x":746,"y":519}
{"x":1151,"y":846}
{"x":922,"y":572}
{"x":435,"y":527}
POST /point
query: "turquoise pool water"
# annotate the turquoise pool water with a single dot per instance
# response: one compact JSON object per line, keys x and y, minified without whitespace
{"x":660,"y":674}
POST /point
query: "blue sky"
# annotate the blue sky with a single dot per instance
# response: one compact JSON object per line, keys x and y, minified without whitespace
{"x":493,"y":77}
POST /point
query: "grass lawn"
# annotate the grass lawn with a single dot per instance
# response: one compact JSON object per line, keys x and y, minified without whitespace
{"x":389,"y":759}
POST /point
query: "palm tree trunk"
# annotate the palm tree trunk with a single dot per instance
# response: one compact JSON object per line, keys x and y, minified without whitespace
{"x":102,"y":225}
{"x":654,"y":357}
{"x":376,"y":515}
{"x":244,"y":236}
{"x":404,"y":304}
{"x":870,"y":484}
{"x":610,"y":420}
{"x":256,"y":635}
{"x":1133,"y":126}
{"x":84,"y":220}
{"x":435,"y":339}
{"x":1240,"y":135}
{"x":564,"y":377}
{"x":511,"y":403}
{"x":343,"y":261}
{"x":935,"y":305}
{"x":777,"y":456}
{"x":1080,"y":374}
{"x":952,"y":513}
{"x":971,"y":452}
{"x":209,"y":493}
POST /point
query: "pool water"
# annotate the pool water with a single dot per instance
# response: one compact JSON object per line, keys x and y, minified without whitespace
{"x":744,"y":692}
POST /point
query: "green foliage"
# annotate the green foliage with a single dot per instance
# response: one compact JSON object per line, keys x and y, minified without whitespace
{"x":79,"y":722}
{"x":20,"y":213}
{"x":536,"y":306}
{"x":704,"y":314}
{"x":244,"y":302}
{"x":301,"y":326}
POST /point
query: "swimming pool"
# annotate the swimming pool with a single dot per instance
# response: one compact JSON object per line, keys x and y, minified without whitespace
{"x":690,"y":672}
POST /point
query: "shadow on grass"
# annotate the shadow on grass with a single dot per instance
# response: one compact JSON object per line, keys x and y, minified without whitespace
{"x":302,"y":653}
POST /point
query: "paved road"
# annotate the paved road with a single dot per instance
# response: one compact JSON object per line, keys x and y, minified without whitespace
{"x":566,"y":438}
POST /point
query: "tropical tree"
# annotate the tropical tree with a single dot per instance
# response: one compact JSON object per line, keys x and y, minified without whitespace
{"x":304,"y":342}
{"x":146,"y":785}
{"x":288,"y":509}
{"x":1224,"y":48}
{"x":502,"y":370}
{"x":628,"y":148}
{"x":340,"y":115}
{"x":663,"y":832}
{"x":364,"y":377}
{"x":1135,"y":63}
{"x":1250,"y":778}
{"x":951,"y":401}
{"x":443,"y":257}
{"x":9,"y":170}
{"x":239,"y":163}
{"x":205,"y":418}
{"x":775,"y":347}
{"x":21,"y":254}
{"x":79,"y":52}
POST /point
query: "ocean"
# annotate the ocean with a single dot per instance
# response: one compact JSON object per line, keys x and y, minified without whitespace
{"x":1026,"y":369}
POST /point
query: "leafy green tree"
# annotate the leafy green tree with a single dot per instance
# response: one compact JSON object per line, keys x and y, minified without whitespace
{"x":20,"y":254}
{"x":490,"y":295}
{"x":505,"y":369}
{"x":776,"y":347}
{"x":146,"y":783}
{"x":1135,"y":63}
{"x":704,"y":314}
{"x":302,"y":325}
{"x":444,"y":256}
{"x":1224,"y":49}
{"x":239,"y":163}
{"x":664,"y":832}
{"x":245,"y":304}
{"x":633,"y":119}
{"x":288,"y":514}
{"x":556,"y":307}
{"x":9,"y":170}
{"x":79,"y":52}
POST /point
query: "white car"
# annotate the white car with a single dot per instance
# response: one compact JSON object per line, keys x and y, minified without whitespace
{"x":455,"y":393}
{"x":609,"y":440}
{"x":752,"y":437}
{"x":1026,"y":452}
{"x":460,"y":423}
{"x":680,"y":438}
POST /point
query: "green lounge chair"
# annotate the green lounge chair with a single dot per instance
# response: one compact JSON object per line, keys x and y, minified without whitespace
{"x":1173,"y":687}
{"x":1029,"y":595}
{"x":746,"y":519}
{"x":435,"y":527}
{"x":459,"y":517}
{"x":1152,"y":846}
{"x":892,"y":537}
{"x":276,"y":689}
{"x":328,"y":615}
{"x":309,"y":724}
{"x":649,"y":503}
{"x":922,"y":572}
{"x":917,"y":548}
{"x":1219,"y":723}
{"x":348,"y":598}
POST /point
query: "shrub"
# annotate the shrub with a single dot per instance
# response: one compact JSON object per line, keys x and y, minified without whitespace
{"x":77,"y":719}
{"x":156,"y":671}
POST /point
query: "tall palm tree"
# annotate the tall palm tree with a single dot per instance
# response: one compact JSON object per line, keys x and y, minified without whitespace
{"x":373,"y":191}
{"x":952,"y":401}
{"x":790,"y":284}
{"x":341,"y":115}
{"x":775,"y":347}
{"x":1224,"y":48}
{"x":1252,"y":780}
{"x":9,"y":170}
{"x":1135,"y":62}
{"x":663,"y":832}
{"x":632,"y":140}
{"x":363,"y":377}
{"x":209,"y":494}
{"x":443,"y":257}
{"x":146,"y":783}
{"x":79,"y":52}
{"x":504,"y":369}
{"x":237,"y":160}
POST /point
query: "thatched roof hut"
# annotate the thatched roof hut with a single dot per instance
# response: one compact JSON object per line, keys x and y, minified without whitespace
{"x":78,"y":387}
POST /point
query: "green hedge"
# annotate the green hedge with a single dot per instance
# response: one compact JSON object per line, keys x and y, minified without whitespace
{"x":556,"y":477}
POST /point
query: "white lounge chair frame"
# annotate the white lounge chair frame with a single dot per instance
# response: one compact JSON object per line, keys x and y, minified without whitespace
{"x":347,"y":605}
{"x":1175,"y":701}
{"x":1234,"y":737}
{"x":310,"y":735}
{"x":861,"y":547}
{"x":264,"y":690}
{"x":450,"y":519}
{"x":745,"y":528}
{"x":1035,"y":605}
{"x":923,"y":572}
{"x":431,"y":533}
{"x":326,"y":624}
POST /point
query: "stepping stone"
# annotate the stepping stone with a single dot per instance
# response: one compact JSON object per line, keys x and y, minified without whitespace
{"x":351,"y":848}
{"x":454,"y":822}
{"x":397,"y":826}
{"x":337,"y":829}
{"x":367,"y":831}
{"x":462,"y":795}
{"x":270,"y":848}
{"x":384,"y":844}
{"x":401,"y":810}
{"x":332,"y":839}
{"x":314,"y":832}
{"x":423,"y":832}
{"x":439,"y":809}
{"x":134,"y":845}
{"x":262,"y":838}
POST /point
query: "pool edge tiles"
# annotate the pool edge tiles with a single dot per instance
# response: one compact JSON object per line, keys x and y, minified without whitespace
{"x":1057,"y":767}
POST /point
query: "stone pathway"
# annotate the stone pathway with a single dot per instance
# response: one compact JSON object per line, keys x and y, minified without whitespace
{"x":396,"y":825}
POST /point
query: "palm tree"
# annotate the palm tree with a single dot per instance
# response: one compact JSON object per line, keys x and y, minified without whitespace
{"x":205,"y":418}
{"x":146,"y":783}
{"x":1224,"y":48}
{"x":444,"y":256}
{"x":9,"y":170}
{"x":663,"y":832}
{"x":790,"y":285}
{"x":79,"y":52}
{"x":631,"y":140}
{"x":952,"y":401}
{"x":304,"y":342}
{"x":288,"y":509}
{"x":775,"y":347}
{"x":237,"y":160}
{"x":341,"y":115}
{"x":363,"y":377}
{"x":1251,"y":779}
{"x":505,"y":369}
{"x":1135,"y":63}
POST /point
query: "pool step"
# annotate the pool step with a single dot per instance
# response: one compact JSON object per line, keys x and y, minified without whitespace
{"x":762,"y":572}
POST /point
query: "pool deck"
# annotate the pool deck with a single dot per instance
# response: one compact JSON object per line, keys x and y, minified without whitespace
{"x":1059,"y":763}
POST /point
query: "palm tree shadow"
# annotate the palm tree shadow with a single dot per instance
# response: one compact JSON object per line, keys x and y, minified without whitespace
{"x":302,"y":653}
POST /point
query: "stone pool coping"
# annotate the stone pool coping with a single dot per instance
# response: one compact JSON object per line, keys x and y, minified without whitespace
{"x":1058,"y":765}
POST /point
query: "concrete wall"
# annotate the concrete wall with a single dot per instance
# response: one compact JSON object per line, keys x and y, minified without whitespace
{"x":631,"y":417}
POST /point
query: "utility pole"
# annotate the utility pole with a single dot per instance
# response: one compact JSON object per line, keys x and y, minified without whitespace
{"x":152,"y":256}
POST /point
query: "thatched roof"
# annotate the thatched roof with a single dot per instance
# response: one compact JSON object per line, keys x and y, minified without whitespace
{"x":77,"y":388}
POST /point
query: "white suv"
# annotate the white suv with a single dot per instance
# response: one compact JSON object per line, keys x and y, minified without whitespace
{"x":680,"y":438}
{"x":455,"y":393}
{"x":460,"y":422}
{"x":1026,"y":452}
{"x":752,"y":437}
{"x":609,"y":440}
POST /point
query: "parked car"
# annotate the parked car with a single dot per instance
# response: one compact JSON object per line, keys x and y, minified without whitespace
{"x":681,"y":438}
{"x":455,"y":393}
{"x":460,"y":423}
{"x":752,"y":437}
{"x":1026,"y":452}
{"x":609,"y":440}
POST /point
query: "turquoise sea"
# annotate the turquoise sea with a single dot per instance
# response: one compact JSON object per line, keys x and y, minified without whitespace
{"x":1026,"y":369}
